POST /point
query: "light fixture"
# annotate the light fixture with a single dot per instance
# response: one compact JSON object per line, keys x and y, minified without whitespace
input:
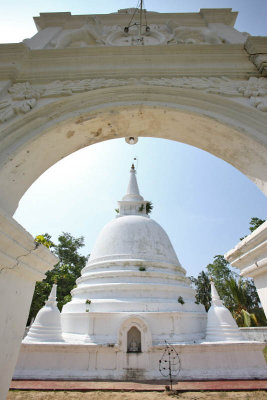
{"x":131,"y":139}
{"x":142,"y":14}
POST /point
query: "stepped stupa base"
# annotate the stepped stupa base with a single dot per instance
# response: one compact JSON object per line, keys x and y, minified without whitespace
{"x":214,"y":360}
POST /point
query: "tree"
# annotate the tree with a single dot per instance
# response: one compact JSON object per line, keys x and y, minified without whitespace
{"x":247,"y":311}
{"x":220,"y":271}
{"x":238,"y":294}
{"x":202,"y":287}
{"x":65,"y":272}
{"x":254,"y":224}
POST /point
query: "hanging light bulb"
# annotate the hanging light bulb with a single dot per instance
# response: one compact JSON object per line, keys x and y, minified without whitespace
{"x":131,"y":139}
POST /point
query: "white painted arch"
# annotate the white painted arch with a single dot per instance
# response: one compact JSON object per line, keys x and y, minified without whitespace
{"x":35,"y":141}
{"x":143,"y":327}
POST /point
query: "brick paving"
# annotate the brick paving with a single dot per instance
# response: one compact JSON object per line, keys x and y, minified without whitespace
{"x":222,"y":385}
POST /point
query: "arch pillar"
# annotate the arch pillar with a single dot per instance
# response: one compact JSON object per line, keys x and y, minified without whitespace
{"x":22,"y":263}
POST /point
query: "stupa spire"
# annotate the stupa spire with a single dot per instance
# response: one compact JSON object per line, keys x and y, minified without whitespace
{"x":215,"y":298}
{"x":132,"y":202}
{"x":133,"y":193}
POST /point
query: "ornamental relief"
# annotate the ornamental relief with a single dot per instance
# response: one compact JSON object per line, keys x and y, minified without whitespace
{"x":23,"y":97}
{"x":94,"y":33}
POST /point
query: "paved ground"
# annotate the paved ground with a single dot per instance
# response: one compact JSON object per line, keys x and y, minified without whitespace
{"x":110,"y":395}
{"x":158,"y":386}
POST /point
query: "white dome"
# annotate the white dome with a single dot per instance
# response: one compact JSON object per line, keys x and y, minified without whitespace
{"x":133,"y":237}
{"x":133,"y":268}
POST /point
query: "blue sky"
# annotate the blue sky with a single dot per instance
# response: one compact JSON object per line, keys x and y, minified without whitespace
{"x":16,"y":21}
{"x":203,"y":203}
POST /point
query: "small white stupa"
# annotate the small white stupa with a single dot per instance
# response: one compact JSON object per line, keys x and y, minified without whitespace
{"x":47,"y":324}
{"x":221,"y":326}
{"x":132,"y":296}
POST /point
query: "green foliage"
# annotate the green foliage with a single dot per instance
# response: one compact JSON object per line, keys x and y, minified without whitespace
{"x":202,"y":288}
{"x":239,"y":295}
{"x":65,"y":272}
{"x":142,"y":268}
{"x":220,"y":272}
{"x":180,"y":300}
{"x":117,"y":210}
{"x":149,"y":207}
{"x":245,"y":319}
{"x":254,"y":224}
{"x":44,"y":240}
{"x":141,"y":208}
{"x":265,"y":353}
{"x":87,"y":302}
{"x":245,"y":298}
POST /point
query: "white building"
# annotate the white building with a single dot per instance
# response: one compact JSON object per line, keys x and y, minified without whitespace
{"x":190,"y":77}
{"x":132,"y":298}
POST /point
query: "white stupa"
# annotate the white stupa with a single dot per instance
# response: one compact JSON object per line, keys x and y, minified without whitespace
{"x":133,"y":270}
{"x":47,"y":324}
{"x":221,"y":325}
{"x":133,"y":296}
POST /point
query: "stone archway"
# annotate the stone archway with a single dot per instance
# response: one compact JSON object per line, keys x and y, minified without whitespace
{"x":55,"y":100}
{"x":33,"y":142}
{"x":225,"y":128}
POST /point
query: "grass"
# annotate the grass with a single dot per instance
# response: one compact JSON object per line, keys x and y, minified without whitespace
{"x":265,"y":353}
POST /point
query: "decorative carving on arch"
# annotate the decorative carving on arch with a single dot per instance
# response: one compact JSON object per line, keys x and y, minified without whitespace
{"x":23,"y":97}
{"x":87,"y":35}
{"x":194,"y":35}
{"x":157,"y":35}
{"x":128,"y":333}
{"x":94,"y":32}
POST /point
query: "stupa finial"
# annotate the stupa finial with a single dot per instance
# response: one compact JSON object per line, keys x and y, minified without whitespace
{"x":133,"y":193}
{"x":132,"y":203}
{"x":215,"y":298}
